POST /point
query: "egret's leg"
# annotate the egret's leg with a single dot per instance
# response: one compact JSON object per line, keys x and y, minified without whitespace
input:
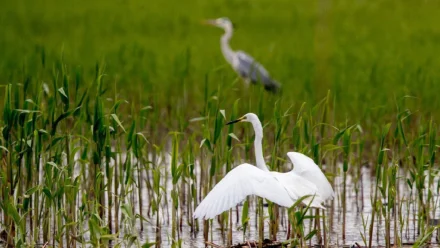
{"x":230,"y":228}
{"x":261,"y":222}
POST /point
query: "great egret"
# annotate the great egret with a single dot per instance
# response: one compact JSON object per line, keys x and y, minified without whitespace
{"x":283,"y":189}
{"x":246,"y":66}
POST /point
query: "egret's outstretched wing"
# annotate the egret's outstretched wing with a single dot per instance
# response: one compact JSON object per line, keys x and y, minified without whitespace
{"x":240,"y":182}
{"x":306,"y":168}
{"x":297,"y":187}
{"x":248,"y":67}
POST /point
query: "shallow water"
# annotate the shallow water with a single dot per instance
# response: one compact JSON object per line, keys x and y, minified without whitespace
{"x":358,"y":205}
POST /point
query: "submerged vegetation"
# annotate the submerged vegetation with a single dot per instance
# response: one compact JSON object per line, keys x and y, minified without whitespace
{"x":113,"y":121}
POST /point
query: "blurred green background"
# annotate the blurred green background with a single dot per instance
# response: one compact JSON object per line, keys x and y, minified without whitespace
{"x":369,"y":54}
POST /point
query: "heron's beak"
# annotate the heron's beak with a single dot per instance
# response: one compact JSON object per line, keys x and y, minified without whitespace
{"x":238,"y":120}
{"x":210,"y":22}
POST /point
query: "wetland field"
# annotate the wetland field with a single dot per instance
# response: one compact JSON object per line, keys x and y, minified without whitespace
{"x":113,"y":121}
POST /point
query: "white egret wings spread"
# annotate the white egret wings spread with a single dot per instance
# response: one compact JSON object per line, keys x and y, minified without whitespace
{"x":306,"y":168}
{"x":297,"y":187}
{"x":242,"y":181}
{"x":284,"y":189}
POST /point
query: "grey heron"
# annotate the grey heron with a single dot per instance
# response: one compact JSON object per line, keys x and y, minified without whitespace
{"x":284,"y":189}
{"x":246,"y":66}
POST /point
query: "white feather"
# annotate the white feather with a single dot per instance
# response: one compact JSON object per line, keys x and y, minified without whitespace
{"x":283,"y":189}
{"x":306,"y":168}
{"x":297,"y":187}
{"x":242,"y":181}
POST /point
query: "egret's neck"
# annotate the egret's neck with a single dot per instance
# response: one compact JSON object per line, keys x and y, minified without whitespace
{"x":226,"y":49}
{"x":258,"y":146}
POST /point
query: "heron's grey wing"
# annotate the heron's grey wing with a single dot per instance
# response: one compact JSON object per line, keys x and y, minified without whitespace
{"x":242,"y":181}
{"x":248,"y":67}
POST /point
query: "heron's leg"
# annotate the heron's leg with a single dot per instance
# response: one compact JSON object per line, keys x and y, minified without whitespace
{"x":247,"y":81}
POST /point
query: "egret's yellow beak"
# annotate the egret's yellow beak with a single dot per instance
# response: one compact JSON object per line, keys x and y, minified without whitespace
{"x":238,"y":120}
{"x":210,"y":22}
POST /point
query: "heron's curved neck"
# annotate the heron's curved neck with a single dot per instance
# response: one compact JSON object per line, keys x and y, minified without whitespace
{"x":226,"y":49}
{"x":258,"y":146}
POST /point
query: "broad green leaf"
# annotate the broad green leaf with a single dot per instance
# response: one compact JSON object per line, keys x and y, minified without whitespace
{"x":232,"y":135}
{"x":115,"y":117}
{"x":148,"y":245}
{"x":222,"y":111}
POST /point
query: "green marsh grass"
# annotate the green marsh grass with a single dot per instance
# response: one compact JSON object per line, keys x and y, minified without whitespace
{"x":113,"y":120}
